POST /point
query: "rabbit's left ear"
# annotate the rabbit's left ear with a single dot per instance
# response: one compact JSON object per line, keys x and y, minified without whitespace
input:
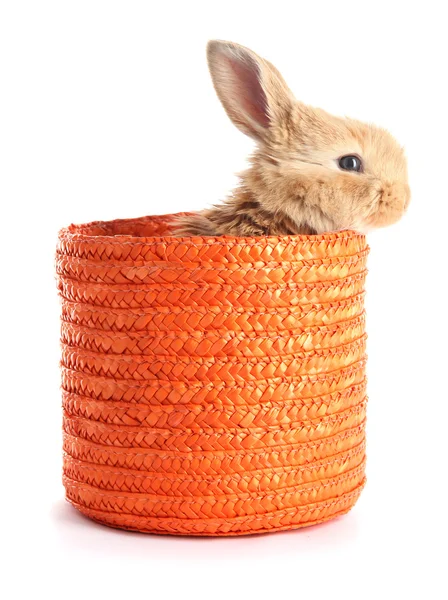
{"x":252,"y":91}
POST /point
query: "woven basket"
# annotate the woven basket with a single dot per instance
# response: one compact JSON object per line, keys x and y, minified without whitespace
{"x":211,"y":386}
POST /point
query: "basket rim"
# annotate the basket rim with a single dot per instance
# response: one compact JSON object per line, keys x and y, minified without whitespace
{"x":77,"y":232}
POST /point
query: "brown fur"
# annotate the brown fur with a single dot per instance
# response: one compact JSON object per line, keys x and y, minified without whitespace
{"x":294,"y":184}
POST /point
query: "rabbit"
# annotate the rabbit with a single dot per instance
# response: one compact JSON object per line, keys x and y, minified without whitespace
{"x":311,"y":172}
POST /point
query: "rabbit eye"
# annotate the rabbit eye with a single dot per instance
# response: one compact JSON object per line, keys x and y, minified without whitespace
{"x":350,"y":163}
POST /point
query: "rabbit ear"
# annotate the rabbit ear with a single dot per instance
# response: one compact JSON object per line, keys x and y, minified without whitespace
{"x":252,"y":91}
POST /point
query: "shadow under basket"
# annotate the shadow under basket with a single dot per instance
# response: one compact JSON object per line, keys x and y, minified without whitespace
{"x":211,"y":385}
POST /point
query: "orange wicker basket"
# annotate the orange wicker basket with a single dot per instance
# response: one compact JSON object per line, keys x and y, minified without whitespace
{"x":211,"y":386}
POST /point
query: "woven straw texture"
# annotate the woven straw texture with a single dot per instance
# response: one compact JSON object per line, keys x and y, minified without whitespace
{"x":211,"y":386}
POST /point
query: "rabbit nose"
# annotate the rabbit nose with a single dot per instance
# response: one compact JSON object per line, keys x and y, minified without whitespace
{"x":396,"y":195}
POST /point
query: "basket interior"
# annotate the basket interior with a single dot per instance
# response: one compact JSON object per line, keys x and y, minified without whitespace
{"x":142,"y":227}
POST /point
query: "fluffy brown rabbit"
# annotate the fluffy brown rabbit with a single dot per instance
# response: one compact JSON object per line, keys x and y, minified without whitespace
{"x":310,"y":173}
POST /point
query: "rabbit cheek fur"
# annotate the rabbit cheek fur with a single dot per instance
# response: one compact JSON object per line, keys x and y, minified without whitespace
{"x":294,"y":184}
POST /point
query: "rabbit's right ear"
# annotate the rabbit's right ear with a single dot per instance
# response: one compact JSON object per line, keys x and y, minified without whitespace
{"x":252,"y":91}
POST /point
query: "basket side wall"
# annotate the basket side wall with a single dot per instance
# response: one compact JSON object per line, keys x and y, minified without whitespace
{"x":211,"y":386}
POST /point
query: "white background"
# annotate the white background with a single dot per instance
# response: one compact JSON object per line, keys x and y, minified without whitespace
{"x":106,"y":111}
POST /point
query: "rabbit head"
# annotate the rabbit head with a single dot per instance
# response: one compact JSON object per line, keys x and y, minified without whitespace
{"x":318,"y":171}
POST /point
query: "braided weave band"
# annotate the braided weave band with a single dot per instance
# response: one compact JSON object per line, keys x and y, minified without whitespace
{"x":211,"y":386}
